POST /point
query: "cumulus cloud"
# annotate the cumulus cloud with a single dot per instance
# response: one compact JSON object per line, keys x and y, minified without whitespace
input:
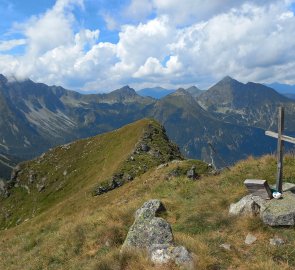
{"x":249,"y":41}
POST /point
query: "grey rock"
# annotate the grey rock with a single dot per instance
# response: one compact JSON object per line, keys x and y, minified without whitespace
{"x":280,"y":212}
{"x":182,"y":257}
{"x":40,"y":187}
{"x":273,"y":212}
{"x":155,"y":153}
{"x":276,"y":241}
{"x":250,"y":239}
{"x":144,"y":147}
{"x":146,"y":232}
{"x":164,"y":253}
{"x":32,"y":177}
{"x":15,"y":172}
{"x":161,"y":166}
{"x":154,"y":234}
{"x":127,"y":177}
{"x":226,"y":246}
{"x":246,"y":206}
{"x":150,"y":209}
{"x":3,"y":189}
{"x":191,"y":174}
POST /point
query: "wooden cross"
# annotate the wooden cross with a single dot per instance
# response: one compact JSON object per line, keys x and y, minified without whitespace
{"x":281,"y":138}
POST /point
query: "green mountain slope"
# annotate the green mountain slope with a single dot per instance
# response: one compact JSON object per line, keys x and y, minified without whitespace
{"x":79,"y":168}
{"x":65,"y":227}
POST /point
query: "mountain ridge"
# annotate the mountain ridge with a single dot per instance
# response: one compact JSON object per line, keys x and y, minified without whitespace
{"x":39,"y":117}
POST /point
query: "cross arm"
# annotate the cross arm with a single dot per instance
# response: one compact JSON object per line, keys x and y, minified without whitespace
{"x":283,"y":137}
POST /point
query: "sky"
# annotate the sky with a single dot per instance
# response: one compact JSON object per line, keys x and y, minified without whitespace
{"x":102,"y":45}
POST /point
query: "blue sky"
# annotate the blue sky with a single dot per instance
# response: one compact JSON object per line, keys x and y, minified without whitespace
{"x":100,"y":45}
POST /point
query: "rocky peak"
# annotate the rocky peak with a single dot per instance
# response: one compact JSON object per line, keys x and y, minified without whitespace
{"x":180,"y":92}
{"x":3,"y":79}
{"x":125,"y":91}
{"x":194,"y":91}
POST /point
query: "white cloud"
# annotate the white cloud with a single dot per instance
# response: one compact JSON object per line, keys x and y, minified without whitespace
{"x":110,"y":21}
{"x":138,"y":9}
{"x":252,"y":42}
{"x":7,"y":45}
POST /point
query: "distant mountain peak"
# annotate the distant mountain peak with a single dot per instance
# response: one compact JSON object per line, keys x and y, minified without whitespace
{"x":3,"y":79}
{"x":228,"y":79}
{"x":194,"y":91}
{"x":180,"y":92}
{"x":193,"y":88}
{"x":125,"y":91}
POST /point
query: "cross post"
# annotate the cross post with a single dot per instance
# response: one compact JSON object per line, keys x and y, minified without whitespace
{"x":280,"y":149}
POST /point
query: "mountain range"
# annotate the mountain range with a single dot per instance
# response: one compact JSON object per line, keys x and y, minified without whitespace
{"x":221,"y":125}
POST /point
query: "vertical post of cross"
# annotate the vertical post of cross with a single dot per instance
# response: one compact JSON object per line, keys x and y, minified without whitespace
{"x":279,"y":182}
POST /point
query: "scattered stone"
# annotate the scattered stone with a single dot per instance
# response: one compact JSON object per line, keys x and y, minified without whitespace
{"x":226,"y":246}
{"x":150,"y":209}
{"x":15,"y":172}
{"x":32,"y":177}
{"x":40,"y":187}
{"x":154,"y":234}
{"x":65,"y":172}
{"x":246,"y":206}
{"x":144,"y":147}
{"x":175,"y":173}
{"x":3,"y":189}
{"x":127,"y":177}
{"x":276,"y":241}
{"x":162,"y":166}
{"x":100,"y":190}
{"x":250,"y":239}
{"x":161,"y":254}
{"x":132,"y":158}
{"x":155,"y":153}
{"x":26,"y":188}
{"x":191,"y":173}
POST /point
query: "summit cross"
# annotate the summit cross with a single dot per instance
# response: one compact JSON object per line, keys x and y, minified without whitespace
{"x":280,"y":147}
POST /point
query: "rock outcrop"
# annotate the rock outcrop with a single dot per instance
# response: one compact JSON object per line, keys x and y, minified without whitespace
{"x":154,"y":234}
{"x":273,"y":212}
{"x":153,"y":149}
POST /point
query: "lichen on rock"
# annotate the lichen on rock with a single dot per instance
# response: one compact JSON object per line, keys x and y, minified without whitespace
{"x":154,"y":234}
{"x":273,"y":212}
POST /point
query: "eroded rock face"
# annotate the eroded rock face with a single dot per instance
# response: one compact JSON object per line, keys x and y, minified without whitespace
{"x":273,"y":212}
{"x":154,"y":234}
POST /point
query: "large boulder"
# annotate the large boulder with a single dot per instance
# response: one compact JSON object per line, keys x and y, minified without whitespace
{"x":280,"y":212}
{"x":248,"y":205}
{"x":273,"y":212}
{"x":154,"y":234}
{"x":147,"y":229}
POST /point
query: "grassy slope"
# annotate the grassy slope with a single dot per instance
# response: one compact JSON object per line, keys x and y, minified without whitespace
{"x":84,"y":232}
